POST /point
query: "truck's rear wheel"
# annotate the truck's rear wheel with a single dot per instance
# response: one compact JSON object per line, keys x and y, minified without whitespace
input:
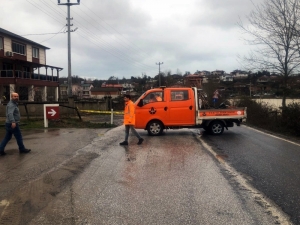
{"x":216,"y":127}
{"x":155,"y":128}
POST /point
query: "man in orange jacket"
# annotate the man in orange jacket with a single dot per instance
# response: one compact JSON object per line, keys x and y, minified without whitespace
{"x":129,"y":120}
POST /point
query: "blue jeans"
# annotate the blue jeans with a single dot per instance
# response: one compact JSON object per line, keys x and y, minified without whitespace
{"x":9,"y":132}
{"x":130,"y":127}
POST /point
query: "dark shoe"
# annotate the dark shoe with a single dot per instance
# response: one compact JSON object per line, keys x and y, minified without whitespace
{"x":25,"y":151}
{"x":2,"y":153}
{"x":124,"y":143}
{"x":140,"y":141}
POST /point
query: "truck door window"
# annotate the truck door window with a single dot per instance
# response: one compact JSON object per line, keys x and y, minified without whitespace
{"x":153,"y":97}
{"x":179,"y":95}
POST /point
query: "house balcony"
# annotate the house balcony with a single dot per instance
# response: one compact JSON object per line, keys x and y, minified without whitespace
{"x":27,"y":78}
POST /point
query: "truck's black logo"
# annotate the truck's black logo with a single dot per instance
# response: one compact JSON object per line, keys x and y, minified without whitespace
{"x":152,"y":110}
{"x":204,"y":114}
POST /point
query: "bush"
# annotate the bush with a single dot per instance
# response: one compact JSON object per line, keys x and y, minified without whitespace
{"x":267,"y":117}
{"x":259,"y":114}
{"x":290,"y":120}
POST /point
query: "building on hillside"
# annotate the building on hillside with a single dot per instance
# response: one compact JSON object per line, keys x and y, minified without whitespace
{"x":127,"y":87}
{"x":86,"y":90}
{"x":104,"y":92}
{"x":263,"y":79}
{"x":226,"y":78}
{"x":193,"y":80}
{"x":23,"y":69}
{"x":79,"y":91}
{"x":239,"y":74}
{"x":218,"y":72}
{"x":241,"y":88}
{"x":63,"y":91}
{"x":202,"y":73}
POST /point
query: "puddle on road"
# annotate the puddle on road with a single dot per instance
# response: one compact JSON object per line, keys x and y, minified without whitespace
{"x":26,"y":203}
{"x":30,"y":131}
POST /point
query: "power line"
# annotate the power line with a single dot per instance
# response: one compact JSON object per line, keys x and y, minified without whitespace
{"x":133,"y":45}
{"x":55,"y":34}
{"x":88,"y":35}
{"x":43,"y":33}
{"x":106,"y":43}
{"x":44,"y":11}
{"x":115,"y":49}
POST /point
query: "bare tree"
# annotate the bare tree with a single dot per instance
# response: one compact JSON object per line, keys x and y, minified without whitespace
{"x":273,"y":30}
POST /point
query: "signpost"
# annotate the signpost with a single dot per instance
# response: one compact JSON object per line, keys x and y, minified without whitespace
{"x":51,"y":111}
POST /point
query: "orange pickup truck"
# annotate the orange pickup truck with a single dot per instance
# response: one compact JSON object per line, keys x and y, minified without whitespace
{"x":175,"y":108}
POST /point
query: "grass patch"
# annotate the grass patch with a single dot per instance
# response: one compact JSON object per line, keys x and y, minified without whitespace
{"x":76,"y":123}
{"x":61,"y":123}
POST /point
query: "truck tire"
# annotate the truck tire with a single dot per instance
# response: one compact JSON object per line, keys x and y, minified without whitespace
{"x":216,"y":127}
{"x":155,"y":128}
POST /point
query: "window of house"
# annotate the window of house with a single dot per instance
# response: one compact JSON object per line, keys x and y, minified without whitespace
{"x":179,"y":95}
{"x":18,"y":48}
{"x":1,"y":42}
{"x":35,"y":52}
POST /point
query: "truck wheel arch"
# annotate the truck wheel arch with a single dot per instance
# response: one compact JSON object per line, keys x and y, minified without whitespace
{"x":216,"y":127}
{"x":155,"y":127}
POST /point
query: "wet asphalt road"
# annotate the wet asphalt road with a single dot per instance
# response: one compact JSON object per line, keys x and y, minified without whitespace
{"x":83,"y":176}
{"x":270,"y":163}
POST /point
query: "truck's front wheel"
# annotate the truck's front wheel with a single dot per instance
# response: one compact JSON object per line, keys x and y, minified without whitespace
{"x":155,"y":128}
{"x":216,"y":127}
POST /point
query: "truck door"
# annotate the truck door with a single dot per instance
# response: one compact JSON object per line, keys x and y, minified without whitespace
{"x":153,"y":107}
{"x":181,"y":108}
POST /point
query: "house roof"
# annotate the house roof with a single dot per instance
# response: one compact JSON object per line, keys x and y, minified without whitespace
{"x":8,"y":33}
{"x":86,"y":85}
{"x":263,"y":78}
{"x":104,"y":89}
{"x":111,"y":85}
{"x":194,"y":75}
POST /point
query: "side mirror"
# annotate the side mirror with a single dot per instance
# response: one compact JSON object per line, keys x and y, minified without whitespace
{"x":140,"y":104}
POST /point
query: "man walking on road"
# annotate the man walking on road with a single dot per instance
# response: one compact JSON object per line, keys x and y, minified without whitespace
{"x":12,"y":125}
{"x":129,"y":120}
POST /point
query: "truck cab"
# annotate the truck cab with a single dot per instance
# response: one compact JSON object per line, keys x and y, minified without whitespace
{"x":177,"y":107}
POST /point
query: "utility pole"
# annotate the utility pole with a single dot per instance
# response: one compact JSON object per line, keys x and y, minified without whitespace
{"x":69,"y":44}
{"x":159,"y":79}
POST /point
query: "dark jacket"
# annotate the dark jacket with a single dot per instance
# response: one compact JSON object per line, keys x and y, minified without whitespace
{"x":12,"y":112}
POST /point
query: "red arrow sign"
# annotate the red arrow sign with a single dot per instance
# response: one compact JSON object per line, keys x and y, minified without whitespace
{"x":52,"y":112}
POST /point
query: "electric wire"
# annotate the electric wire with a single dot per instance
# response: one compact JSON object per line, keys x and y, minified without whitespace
{"x":131,"y":44}
{"x":106,"y":43}
{"x":55,"y":34}
{"x":113,"y":51}
{"x":23,"y":35}
{"x":114,"y":48}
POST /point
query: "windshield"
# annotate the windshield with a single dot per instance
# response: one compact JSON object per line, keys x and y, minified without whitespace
{"x":142,"y":96}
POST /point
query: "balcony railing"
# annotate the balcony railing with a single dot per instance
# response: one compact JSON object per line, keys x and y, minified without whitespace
{"x":27,"y":75}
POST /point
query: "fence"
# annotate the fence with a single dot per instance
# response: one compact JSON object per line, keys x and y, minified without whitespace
{"x":37,"y":110}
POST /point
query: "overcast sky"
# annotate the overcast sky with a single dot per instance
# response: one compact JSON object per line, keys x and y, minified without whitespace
{"x":125,"y":38}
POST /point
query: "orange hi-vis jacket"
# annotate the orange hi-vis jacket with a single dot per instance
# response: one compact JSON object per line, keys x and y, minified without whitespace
{"x":129,"y":113}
